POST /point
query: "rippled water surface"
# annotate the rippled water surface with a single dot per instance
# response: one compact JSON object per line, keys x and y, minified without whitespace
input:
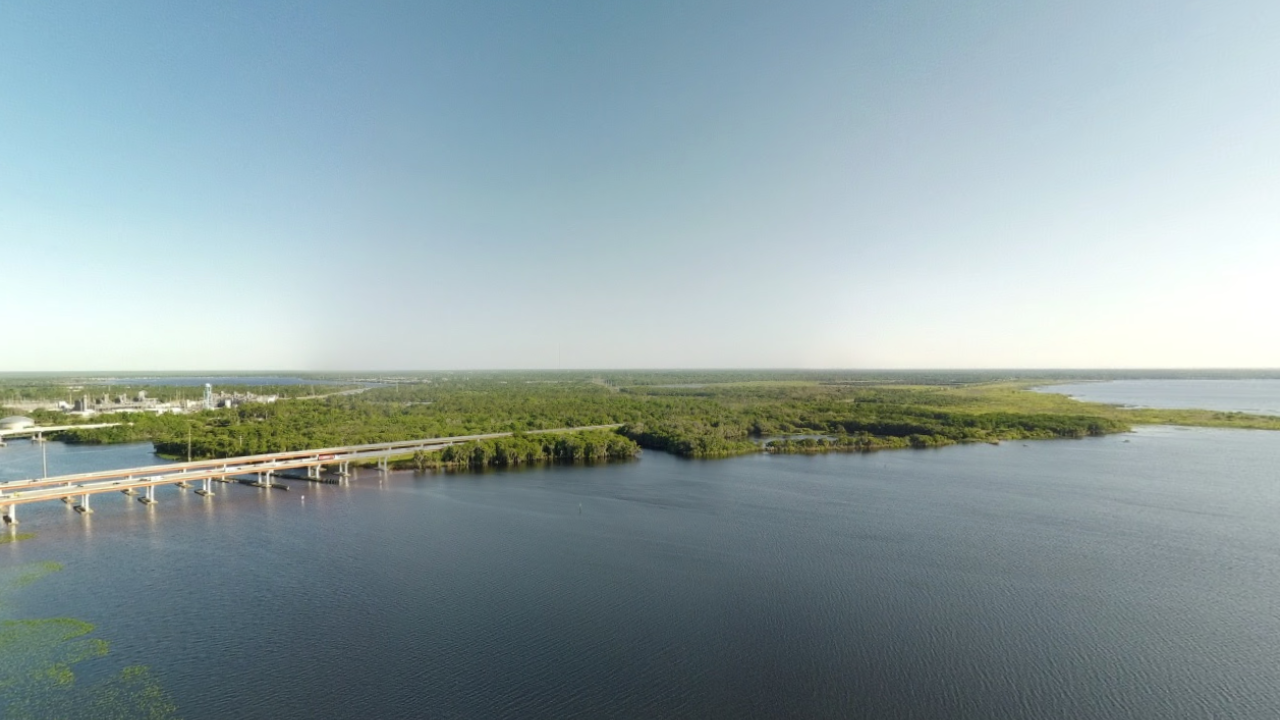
{"x":1132,"y":576}
{"x":1260,"y":397}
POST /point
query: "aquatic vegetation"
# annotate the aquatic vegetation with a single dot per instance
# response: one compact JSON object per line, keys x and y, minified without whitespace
{"x":18,"y":576}
{"x":132,"y":693}
{"x":15,"y":537}
{"x":37,"y":659}
{"x":39,"y":653}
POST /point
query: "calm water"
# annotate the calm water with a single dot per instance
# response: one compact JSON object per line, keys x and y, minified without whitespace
{"x":1260,"y":397}
{"x":1134,"y":576}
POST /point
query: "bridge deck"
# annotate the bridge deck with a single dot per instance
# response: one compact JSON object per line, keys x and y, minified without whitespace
{"x":38,"y":430}
{"x":20,"y":492}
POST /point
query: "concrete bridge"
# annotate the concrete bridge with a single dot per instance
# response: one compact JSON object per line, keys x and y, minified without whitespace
{"x":37,"y":432}
{"x":142,"y":481}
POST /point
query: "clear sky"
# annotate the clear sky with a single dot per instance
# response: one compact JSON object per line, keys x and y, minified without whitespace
{"x":365,"y":185}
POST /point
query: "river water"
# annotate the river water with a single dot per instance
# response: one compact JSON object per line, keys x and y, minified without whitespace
{"x":1256,"y":396}
{"x":1130,"y":576}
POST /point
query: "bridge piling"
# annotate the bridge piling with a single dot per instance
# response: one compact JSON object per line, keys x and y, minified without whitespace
{"x":266,"y":480}
{"x":83,"y":508}
{"x":262,"y":467}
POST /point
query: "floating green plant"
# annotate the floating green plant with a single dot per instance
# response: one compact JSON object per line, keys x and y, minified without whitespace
{"x":37,"y":657}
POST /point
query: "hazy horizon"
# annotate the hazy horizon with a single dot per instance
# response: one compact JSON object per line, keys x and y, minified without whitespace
{"x":281,"y":372}
{"x":341,"y":187}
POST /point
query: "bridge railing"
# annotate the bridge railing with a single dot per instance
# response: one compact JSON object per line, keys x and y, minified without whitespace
{"x":334,"y":454}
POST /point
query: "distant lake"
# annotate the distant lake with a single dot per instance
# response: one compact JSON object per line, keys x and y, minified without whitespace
{"x":1260,"y":397}
{"x":199,"y":381}
{"x":1128,"y":576}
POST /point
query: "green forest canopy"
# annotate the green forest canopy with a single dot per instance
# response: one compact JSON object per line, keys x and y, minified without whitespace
{"x":689,"y":413}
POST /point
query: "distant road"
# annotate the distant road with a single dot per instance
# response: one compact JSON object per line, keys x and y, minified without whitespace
{"x":352,"y":391}
{"x":53,"y":428}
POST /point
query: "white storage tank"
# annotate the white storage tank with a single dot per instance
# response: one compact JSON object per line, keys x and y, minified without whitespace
{"x":16,"y":422}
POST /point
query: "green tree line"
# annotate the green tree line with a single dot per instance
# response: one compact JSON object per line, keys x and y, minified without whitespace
{"x":705,"y":421}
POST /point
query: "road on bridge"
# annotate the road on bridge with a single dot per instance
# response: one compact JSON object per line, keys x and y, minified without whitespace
{"x":127,"y":480}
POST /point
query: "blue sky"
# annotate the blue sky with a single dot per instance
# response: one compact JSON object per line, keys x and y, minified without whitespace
{"x":411,"y":185}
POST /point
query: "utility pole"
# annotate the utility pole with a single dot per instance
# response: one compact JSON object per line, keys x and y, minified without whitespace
{"x":44,"y":458}
{"x":188,"y":441}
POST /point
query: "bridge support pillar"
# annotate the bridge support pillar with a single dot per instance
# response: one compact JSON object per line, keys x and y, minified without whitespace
{"x":149,"y":496}
{"x":207,"y":490}
{"x":83,"y":507}
{"x":265,"y":479}
{"x":11,"y":515}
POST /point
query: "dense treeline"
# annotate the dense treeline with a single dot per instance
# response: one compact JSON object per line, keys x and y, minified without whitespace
{"x":706,"y":420}
{"x":936,"y":429}
{"x":693,"y":437}
{"x":588,"y":446}
{"x":861,"y":442}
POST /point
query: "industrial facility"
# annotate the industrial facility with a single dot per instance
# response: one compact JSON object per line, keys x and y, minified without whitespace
{"x":89,"y":405}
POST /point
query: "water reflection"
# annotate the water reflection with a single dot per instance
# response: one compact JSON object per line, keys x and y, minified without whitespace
{"x":1097,"y":578}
